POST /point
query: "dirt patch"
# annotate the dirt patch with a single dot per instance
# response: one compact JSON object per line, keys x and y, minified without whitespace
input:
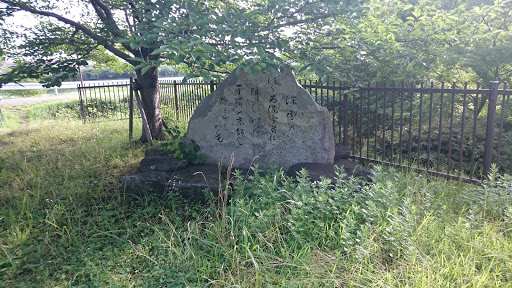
{"x":3,"y":144}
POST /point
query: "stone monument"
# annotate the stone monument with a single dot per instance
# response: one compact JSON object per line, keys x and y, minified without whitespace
{"x":267,"y":119}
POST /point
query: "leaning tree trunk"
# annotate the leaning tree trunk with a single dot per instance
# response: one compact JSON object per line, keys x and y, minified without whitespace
{"x":150,"y":96}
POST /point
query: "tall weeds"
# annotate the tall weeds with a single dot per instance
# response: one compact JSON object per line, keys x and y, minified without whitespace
{"x":66,"y":222}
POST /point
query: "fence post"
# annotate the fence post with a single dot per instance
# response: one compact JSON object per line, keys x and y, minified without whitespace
{"x":175,"y":89}
{"x":489,"y":128}
{"x":130,"y":112}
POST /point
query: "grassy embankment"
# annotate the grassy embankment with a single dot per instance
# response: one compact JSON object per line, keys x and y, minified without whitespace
{"x":66,"y":222}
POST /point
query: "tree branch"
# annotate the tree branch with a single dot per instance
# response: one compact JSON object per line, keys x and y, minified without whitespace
{"x":108,"y":18}
{"x":97,"y":38}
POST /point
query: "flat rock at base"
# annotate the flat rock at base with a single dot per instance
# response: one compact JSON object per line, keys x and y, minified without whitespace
{"x":162,"y":163}
{"x":316,"y":170}
{"x":139,"y":184}
{"x":267,"y":120}
{"x":190,"y":181}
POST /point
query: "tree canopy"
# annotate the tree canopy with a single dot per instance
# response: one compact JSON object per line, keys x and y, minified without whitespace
{"x":415,"y":40}
{"x":208,"y":36}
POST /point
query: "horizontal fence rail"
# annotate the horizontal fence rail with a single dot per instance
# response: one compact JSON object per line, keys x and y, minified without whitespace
{"x":446,"y":130}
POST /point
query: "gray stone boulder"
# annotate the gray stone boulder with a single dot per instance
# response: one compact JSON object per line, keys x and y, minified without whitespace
{"x":267,"y":120}
{"x":147,"y":182}
{"x":190,"y":181}
{"x":341,"y":152}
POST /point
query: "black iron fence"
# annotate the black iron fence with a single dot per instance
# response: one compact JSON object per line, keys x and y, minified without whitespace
{"x":453,"y":132}
{"x":179,"y":100}
{"x":104,"y":101}
{"x":112,"y":101}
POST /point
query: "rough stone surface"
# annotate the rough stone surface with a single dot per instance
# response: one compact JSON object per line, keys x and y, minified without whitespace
{"x":268,"y":119}
{"x":162,"y":163}
{"x":341,"y":152}
{"x":146,"y":182}
{"x":190,"y":181}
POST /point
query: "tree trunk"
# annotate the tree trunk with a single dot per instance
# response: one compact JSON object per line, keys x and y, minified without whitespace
{"x":150,"y":97}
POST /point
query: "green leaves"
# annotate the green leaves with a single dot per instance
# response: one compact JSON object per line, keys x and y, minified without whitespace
{"x":181,"y":150}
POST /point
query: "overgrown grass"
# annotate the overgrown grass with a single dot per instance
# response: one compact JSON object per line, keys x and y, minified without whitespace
{"x":66,"y":222}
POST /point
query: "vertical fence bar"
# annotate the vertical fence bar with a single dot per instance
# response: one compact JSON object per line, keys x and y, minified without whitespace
{"x":461,"y":147}
{"x":409,"y":145}
{"x":81,"y":100}
{"x":429,"y":145}
{"x":176,"y":105}
{"x":316,"y":90}
{"x":393,"y":123}
{"x":340,"y":115}
{"x":345,"y":119}
{"x":121,"y":106}
{"x":368,"y":120}
{"x":360,"y":132}
{"x":321,"y":96}
{"x":401,"y":124}
{"x":354,"y":124}
{"x":502,"y":118}
{"x":489,"y":128}
{"x":384,"y":122}
{"x":109,"y":99}
{"x":96,"y":99}
{"x":376,"y":114}
{"x":473,"y":135}
{"x":420,"y":125}
{"x":188,"y":96}
{"x":87,"y":103}
{"x":333,"y":107}
{"x":130,"y":111}
{"x":451,"y":131}
{"x":440,"y":128}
